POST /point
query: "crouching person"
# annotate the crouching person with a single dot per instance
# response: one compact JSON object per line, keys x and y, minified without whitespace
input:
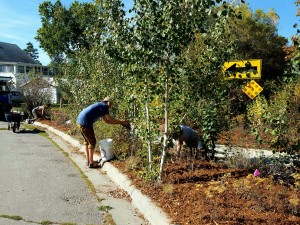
{"x":39,"y":112}
{"x":188,"y":136}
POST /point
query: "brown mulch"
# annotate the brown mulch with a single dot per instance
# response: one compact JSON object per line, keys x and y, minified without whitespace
{"x":183,"y":192}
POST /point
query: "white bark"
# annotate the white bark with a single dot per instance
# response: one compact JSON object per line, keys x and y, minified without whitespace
{"x":162,"y":161}
{"x":148,"y":126}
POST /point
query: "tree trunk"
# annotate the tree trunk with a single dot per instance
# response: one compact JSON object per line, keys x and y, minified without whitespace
{"x":162,"y":160}
{"x":148,"y":125}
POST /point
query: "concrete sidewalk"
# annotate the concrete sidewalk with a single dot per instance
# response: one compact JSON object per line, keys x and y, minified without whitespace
{"x":134,"y":209}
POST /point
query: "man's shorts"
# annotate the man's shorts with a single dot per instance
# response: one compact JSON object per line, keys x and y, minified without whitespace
{"x":88,"y":135}
{"x":34,"y":113}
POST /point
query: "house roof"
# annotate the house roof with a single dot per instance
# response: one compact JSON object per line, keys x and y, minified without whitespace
{"x":12,"y":53}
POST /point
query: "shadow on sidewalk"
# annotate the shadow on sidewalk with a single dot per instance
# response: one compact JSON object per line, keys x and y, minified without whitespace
{"x":28,"y":131}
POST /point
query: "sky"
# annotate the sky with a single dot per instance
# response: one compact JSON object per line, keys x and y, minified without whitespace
{"x":20,"y":20}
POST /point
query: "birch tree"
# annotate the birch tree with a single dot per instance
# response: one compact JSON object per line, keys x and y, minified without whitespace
{"x":153,"y":40}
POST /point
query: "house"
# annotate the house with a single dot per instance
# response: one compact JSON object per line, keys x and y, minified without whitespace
{"x":18,"y":65}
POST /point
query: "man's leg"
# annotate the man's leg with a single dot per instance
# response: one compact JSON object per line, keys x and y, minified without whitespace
{"x":35,"y":116}
{"x":90,"y":143}
{"x":85,"y":134}
{"x":87,"y":154}
{"x":91,"y":140}
{"x":91,"y":156}
{"x":179,"y":146}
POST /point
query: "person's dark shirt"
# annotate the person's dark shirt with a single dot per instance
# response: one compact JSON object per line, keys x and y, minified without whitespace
{"x":92,"y":113}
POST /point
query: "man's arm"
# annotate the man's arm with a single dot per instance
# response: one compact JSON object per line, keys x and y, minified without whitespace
{"x":110,"y":120}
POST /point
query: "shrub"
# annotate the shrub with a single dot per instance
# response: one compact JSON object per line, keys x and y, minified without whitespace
{"x":277,"y":122}
{"x":256,"y":114}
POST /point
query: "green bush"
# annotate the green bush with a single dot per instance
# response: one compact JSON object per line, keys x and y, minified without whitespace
{"x":257,"y":111}
{"x":277,"y":118}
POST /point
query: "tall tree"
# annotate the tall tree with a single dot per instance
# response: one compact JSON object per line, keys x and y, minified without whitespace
{"x":154,"y":40}
{"x":63,"y":30}
{"x":32,"y":52}
{"x":293,"y":54}
{"x":296,"y":38}
{"x":255,"y":36}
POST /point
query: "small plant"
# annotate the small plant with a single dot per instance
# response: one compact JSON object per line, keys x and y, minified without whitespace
{"x":217,"y":187}
{"x":132,"y":163}
{"x":209,"y":128}
{"x":294,"y":204}
{"x":46,"y":222}
{"x":105,"y":208}
{"x":294,"y":200}
{"x":12,"y":217}
{"x":148,"y":176}
{"x":256,"y":112}
{"x":296,"y":177}
{"x":214,"y":191}
{"x":238,"y":121}
{"x":168,"y":188}
{"x":67,"y":223}
{"x":238,"y":161}
{"x":214,"y":188}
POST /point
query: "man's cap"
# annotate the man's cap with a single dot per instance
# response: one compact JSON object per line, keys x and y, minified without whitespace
{"x":108,"y":99}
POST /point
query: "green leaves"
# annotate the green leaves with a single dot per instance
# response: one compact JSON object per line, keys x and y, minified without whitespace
{"x":63,"y":31}
{"x":158,"y":62}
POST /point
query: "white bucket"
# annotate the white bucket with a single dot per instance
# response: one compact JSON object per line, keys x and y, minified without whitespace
{"x":106,"y":149}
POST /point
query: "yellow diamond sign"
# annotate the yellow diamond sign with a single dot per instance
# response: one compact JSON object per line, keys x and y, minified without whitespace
{"x":252,"y":89}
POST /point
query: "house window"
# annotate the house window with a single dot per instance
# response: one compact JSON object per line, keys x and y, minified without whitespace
{"x":20,"y":69}
{"x":29,"y":69}
{"x":37,"y":70}
{"x":9,"y":68}
{"x":2,"y":68}
{"x":45,"y":71}
{"x":6,"y":68}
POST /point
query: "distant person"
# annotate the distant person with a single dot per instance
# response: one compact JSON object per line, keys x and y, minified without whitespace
{"x":40,"y":112}
{"x":188,"y":136}
{"x":87,"y":117}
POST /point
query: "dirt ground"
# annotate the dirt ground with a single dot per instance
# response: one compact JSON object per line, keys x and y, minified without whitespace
{"x":200,"y":192}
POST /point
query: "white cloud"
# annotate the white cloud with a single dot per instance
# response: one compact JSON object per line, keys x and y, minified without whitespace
{"x":10,"y":36}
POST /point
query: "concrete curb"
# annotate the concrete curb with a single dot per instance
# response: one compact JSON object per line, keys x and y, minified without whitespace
{"x":144,"y":204}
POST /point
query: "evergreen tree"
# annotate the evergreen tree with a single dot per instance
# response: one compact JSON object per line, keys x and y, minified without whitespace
{"x":32,"y":52}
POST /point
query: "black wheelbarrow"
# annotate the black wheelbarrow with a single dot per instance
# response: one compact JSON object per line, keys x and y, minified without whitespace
{"x":14,"y":120}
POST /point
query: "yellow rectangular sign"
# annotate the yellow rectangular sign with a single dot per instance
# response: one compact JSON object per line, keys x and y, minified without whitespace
{"x":244,"y":69}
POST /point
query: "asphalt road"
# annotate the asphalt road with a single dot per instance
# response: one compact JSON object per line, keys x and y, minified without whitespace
{"x":39,"y":183}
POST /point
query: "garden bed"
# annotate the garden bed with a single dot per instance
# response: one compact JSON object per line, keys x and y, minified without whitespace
{"x":211,"y":193}
{"x":200,"y":192}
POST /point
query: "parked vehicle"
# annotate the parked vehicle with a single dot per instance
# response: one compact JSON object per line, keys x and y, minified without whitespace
{"x":17,"y":98}
{"x":5,"y":96}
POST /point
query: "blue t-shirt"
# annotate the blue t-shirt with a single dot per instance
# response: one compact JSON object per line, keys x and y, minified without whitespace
{"x":92,"y":113}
